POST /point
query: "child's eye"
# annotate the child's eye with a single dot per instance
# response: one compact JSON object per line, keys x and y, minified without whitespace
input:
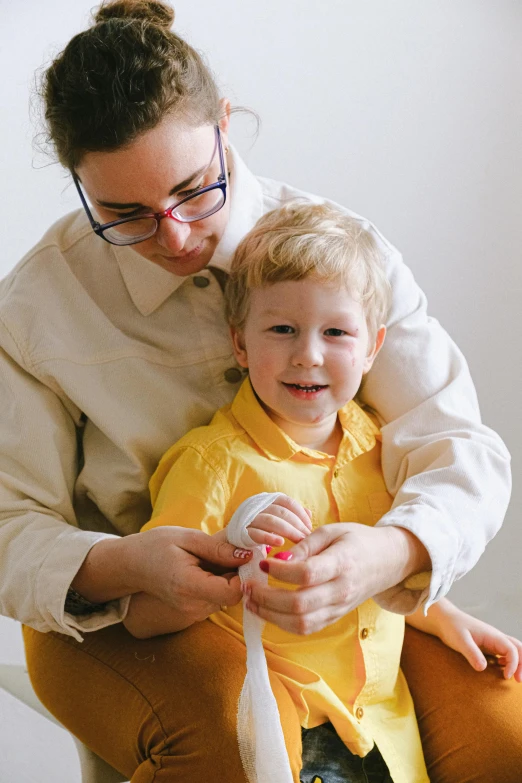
{"x":335,"y":332}
{"x":282,"y":329}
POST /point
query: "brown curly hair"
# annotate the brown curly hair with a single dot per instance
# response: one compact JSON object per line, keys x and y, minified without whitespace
{"x":121,"y":77}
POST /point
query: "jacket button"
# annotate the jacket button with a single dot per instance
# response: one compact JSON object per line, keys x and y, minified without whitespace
{"x":364,"y":633}
{"x":359,"y":712}
{"x":233,"y":375}
{"x":335,"y":473}
{"x":201,"y":282}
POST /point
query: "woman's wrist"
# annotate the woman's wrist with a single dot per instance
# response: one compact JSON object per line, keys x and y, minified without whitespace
{"x":106,"y":574}
{"x":406,"y":553}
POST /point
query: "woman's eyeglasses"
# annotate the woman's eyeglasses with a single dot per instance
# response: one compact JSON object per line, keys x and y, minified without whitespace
{"x":197,"y":206}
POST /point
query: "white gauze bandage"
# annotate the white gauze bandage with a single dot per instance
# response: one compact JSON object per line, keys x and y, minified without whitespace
{"x":260,"y":736}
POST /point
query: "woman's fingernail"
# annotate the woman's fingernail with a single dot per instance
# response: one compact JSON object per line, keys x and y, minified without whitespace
{"x":242,"y":553}
{"x":268,"y":549}
{"x":283,"y":556}
{"x":264,"y":566}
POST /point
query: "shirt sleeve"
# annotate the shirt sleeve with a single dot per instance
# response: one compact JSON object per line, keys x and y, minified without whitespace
{"x":41,"y":547}
{"x":187,"y":490}
{"x":449,"y":474}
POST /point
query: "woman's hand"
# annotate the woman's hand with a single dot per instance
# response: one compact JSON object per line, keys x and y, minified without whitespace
{"x":336,"y":568}
{"x":188,"y":570}
{"x":284,"y":518}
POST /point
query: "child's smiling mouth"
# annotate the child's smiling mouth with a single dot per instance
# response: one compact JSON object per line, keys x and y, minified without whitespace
{"x":305,"y":390}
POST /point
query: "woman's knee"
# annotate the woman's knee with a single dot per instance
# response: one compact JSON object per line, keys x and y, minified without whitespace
{"x":157,"y":709}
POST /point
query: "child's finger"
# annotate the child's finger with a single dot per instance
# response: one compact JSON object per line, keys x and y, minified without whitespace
{"x":475,"y":657}
{"x":500,"y":644}
{"x":513,"y":657}
{"x":518,"y":670}
{"x":264,"y":537}
{"x":295,"y":509}
{"x":275,"y":519}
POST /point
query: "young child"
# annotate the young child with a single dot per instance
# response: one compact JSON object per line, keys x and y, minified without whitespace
{"x":306,"y":302}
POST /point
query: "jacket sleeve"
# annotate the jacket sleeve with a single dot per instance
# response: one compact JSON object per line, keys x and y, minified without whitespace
{"x":41,"y":547}
{"x":449,"y":474}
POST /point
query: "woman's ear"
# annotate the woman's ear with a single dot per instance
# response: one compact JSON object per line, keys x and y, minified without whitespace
{"x":381,"y":334}
{"x":224,"y":119}
{"x":238,"y":343}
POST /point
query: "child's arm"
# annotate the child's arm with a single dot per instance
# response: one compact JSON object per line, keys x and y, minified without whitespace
{"x":470,"y":637}
{"x":150,"y":616}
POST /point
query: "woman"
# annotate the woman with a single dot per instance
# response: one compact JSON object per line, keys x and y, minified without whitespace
{"x":113,"y":349}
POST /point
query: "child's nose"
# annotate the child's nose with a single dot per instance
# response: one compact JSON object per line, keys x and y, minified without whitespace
{"x":308,"y":353}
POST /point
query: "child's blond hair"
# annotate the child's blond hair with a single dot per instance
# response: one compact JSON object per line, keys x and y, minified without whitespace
{"x":301,"y":240}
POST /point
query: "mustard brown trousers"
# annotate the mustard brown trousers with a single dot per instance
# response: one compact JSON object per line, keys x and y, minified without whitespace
{"x":163,"y":710}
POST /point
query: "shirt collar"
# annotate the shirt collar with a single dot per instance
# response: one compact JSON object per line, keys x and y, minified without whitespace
{"x":359,"y":432}
{"x":149,"y":285}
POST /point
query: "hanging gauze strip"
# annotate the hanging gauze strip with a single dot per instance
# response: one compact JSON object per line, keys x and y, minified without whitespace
{"x":261,"y":741}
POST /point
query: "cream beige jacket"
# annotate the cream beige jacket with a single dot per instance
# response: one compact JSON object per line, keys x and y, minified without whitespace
{"x":106,"y":360}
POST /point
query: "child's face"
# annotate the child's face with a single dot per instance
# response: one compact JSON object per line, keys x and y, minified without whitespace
{"x":306,"y":346}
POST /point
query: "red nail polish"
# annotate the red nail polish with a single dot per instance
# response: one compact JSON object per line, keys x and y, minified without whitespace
{"x":264,"y":566}
{"x":284,"y":556}
{"x":268,"y":549}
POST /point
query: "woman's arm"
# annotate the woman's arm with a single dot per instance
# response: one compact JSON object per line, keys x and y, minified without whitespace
{"x":41,"y":547}
{"x":449,"y":474}
{"x":176,"y":567}
{"x":42,"y":551}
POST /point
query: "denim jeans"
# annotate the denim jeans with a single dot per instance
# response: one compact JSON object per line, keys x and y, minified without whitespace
{"x":326,"y":759}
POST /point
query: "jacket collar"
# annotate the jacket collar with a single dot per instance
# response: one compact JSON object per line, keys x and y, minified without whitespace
{"x":149,"y":285}
{"x":359,"y":432}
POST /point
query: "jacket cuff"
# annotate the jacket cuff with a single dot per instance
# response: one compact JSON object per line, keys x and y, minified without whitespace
{"x":425,"y":588}
{"x":53,"y":581}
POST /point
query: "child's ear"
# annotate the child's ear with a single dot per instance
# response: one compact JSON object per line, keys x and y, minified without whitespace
{"x":238,"y":343}
{"x":381,"y":334}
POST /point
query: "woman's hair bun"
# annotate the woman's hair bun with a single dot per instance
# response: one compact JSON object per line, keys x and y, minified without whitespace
{"x":153,"y":11}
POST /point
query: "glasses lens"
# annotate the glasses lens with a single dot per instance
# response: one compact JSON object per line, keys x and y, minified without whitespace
{"x":131,"y":232}
{"x":200,"y":206}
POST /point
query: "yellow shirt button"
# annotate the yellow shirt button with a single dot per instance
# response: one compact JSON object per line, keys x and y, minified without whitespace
{"x":359,"y":712}
{"x":364,"y":633}
{"x":233,"y":375}
{"x":200,"y":281}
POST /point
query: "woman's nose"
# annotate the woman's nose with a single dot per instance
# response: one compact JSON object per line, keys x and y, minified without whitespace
{"x":172,"y":234}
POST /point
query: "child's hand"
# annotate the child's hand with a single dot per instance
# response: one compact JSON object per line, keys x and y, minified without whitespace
{"x":284,"y":518}
{"x":472,"y":637}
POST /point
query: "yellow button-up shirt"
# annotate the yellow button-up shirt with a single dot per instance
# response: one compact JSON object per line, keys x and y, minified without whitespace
{"x":347,"y":673}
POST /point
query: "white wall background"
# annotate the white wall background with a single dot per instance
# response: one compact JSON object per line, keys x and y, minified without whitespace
{"x":406,"y":112}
